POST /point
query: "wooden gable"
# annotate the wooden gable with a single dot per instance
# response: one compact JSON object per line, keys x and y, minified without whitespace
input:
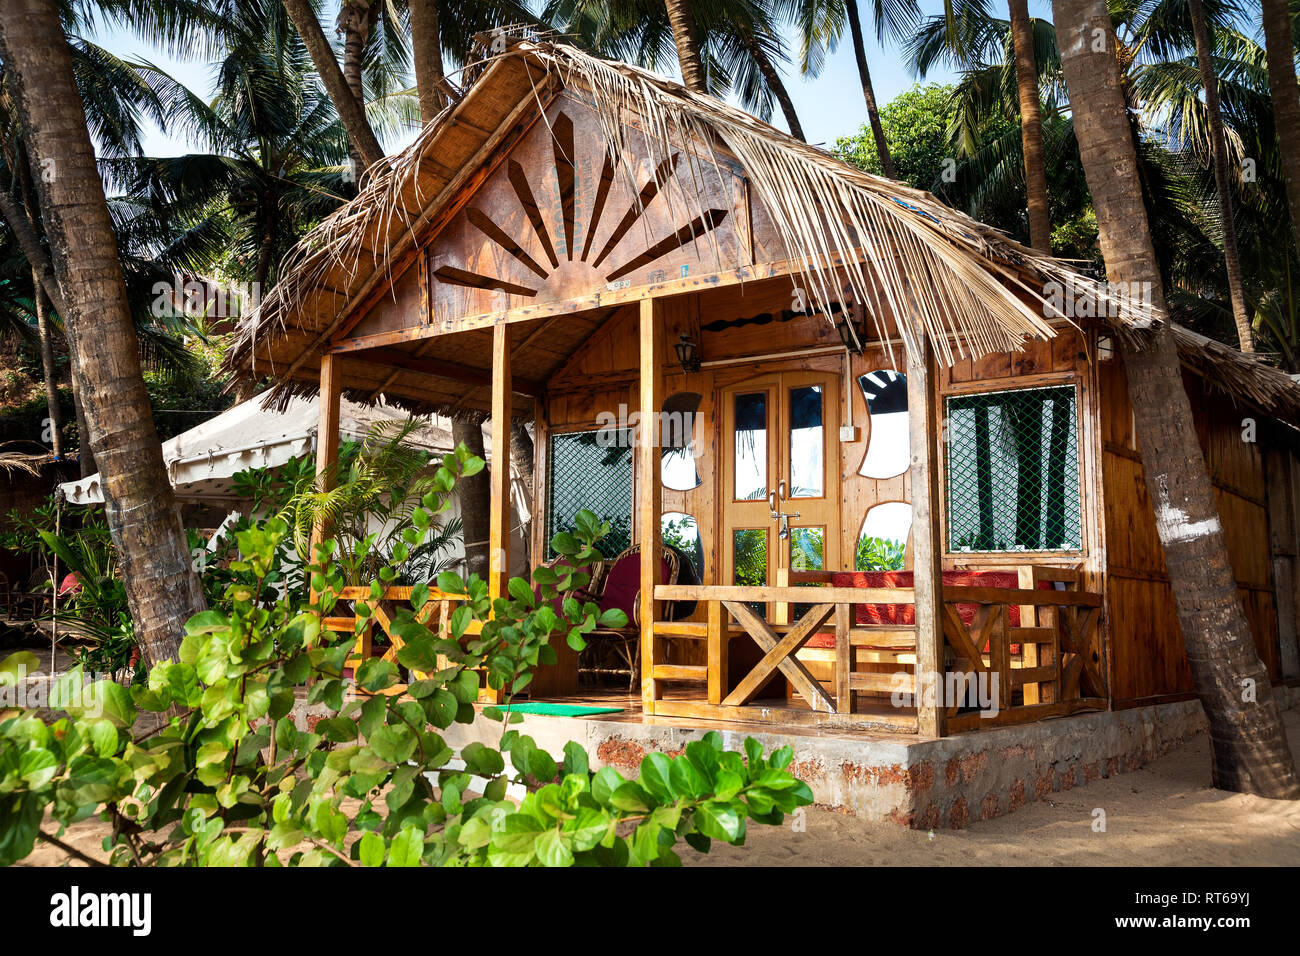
{"x":558,"y":219}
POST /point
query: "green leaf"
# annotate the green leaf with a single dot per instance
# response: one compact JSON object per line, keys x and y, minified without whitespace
{"x":482,"y":760}
{"x":371,"y":849}
{"x":514,"y":842}
{"x":451,"y":583}
{"x":551,"y":850}
{"x":376,"y":674}
{"x":575,"y":759}
{"x":656,"y":775}
{"x":685,"y":779}
{"x":17,"y":666}
{"x":407,"y":848}
{"x":587,"y":829}
{"x":604,"y":783}
{"x":720,"y":820}
{"x":103,"y":737}
{"x":631,"y":797}
{"x":394,"y":743}
{"x":37,"y":767}
{"x":115,"y":701}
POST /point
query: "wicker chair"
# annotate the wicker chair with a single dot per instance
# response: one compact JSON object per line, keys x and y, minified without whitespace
{"x":618,"y":650}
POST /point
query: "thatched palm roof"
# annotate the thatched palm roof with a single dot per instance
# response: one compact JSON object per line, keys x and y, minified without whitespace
{"x":963,"y":285}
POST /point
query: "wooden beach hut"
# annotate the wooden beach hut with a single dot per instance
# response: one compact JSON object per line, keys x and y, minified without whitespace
{"x":718,"y":329}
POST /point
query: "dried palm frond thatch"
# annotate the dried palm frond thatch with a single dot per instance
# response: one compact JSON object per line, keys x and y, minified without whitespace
{"x":964,"y":286}
{"x":29,"y":463}
{"x":1239,"y":375}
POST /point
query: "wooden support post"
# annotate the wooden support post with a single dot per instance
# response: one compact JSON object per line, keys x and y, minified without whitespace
{"x":718,"y":640}
{"x":499,"y":515}
{"x":843,"y":659}
{"x":327,"y":437}
{"x":650,"y":488}
{"x":1029,"y":618}
{"x":927,"y":544}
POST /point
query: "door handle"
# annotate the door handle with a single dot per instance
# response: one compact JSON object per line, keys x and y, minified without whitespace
{"x":771,"y":500}
{"x":781,"y":488}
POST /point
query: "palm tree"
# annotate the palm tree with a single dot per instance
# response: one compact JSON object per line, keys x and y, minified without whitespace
{"x":1031,"y":125}
{"x":1219,"y":146}
{"x":686,"y":37}
{"x":821,"y":26}
{"x":993,"y":53}
{"x":162,"y":589}
{"x":737,"y":43}
{"x":365,"y":144}
{"x":1248,"y":741}
{"x":1286,"y":101}
{"x":274,"y":163}
{"x":115,"y":100}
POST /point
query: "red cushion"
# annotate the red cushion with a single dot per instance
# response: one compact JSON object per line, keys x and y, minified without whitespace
{"x":905,"y":614}
{"x":623,"y":583}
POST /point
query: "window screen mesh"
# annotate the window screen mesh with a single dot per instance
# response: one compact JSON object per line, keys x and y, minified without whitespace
{"x":583,"y":474}
{"x":1013,"y":471}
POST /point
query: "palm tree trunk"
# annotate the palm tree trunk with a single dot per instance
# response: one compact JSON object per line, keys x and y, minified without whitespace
{"x":47,"y":366}
{"x":869,"y":91}
{"x":1248,"y":741}
{"x":30,"y":243}
{"x":163,"y":591}
{"x":775,"y":84}
{"x":1231,"y":260}
{"x":1031,"y":125}
{"x":349,"y":107}
{"x":42,"y":303}
{"x":475,"y":493}
{"x":522,"y":454}
{"x":687,"y":38}
{"x":1286,"y":101}
{"x":353,"y":20}
{"x":85,"y":456}
{"x":426,"y":50}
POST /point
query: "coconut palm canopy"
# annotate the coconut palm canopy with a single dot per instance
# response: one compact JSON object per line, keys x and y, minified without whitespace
{"x":843,"y":235}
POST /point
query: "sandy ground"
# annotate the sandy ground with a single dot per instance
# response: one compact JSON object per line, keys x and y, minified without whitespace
{"x":1163,"y":815}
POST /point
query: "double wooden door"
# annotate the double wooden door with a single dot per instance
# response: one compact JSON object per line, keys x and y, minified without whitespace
{"x":780,"y":478}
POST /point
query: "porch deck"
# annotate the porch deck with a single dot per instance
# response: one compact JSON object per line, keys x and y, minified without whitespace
{"x":874,"y":718}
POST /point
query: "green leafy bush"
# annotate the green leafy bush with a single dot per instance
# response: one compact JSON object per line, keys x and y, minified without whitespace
{"x":228,"y":778}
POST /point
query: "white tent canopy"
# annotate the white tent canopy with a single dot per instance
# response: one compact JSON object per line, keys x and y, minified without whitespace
{"x":201,"y":461}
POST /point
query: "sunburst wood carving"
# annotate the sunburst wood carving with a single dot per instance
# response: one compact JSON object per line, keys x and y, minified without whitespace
{"x":561,"y":218}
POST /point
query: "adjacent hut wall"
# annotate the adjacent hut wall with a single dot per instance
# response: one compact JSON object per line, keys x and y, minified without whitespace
{"x":1148,"y":662}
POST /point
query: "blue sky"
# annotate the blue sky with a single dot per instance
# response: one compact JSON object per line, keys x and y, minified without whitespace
{"x":829,"y":106}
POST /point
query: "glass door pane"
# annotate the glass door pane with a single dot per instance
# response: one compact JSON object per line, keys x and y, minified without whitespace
{"x":750,"y":446}
{"x":807,"y":442}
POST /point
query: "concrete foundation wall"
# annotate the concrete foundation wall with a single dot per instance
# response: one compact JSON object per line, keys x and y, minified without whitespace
{"x":924,"y":784}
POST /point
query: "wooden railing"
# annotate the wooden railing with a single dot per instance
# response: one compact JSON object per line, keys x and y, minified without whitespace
{"x":1057,"y":668}
{"x":435,"y":615}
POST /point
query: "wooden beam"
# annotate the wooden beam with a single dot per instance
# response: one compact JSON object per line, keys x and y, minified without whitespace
{"x":327,"y":437}
{"x":649,"y":488}
{"x":927,"y":543}
{"x":441,"y":368}
{"x":604,"y":297}
{"x":499,"y":520}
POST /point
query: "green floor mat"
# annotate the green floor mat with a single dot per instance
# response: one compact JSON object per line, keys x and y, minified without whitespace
{"x":562,"y":710}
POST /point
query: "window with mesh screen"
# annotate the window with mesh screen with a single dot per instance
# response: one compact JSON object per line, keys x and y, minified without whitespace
{"x":1013,"y":471}
{"x":592,"y":470}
